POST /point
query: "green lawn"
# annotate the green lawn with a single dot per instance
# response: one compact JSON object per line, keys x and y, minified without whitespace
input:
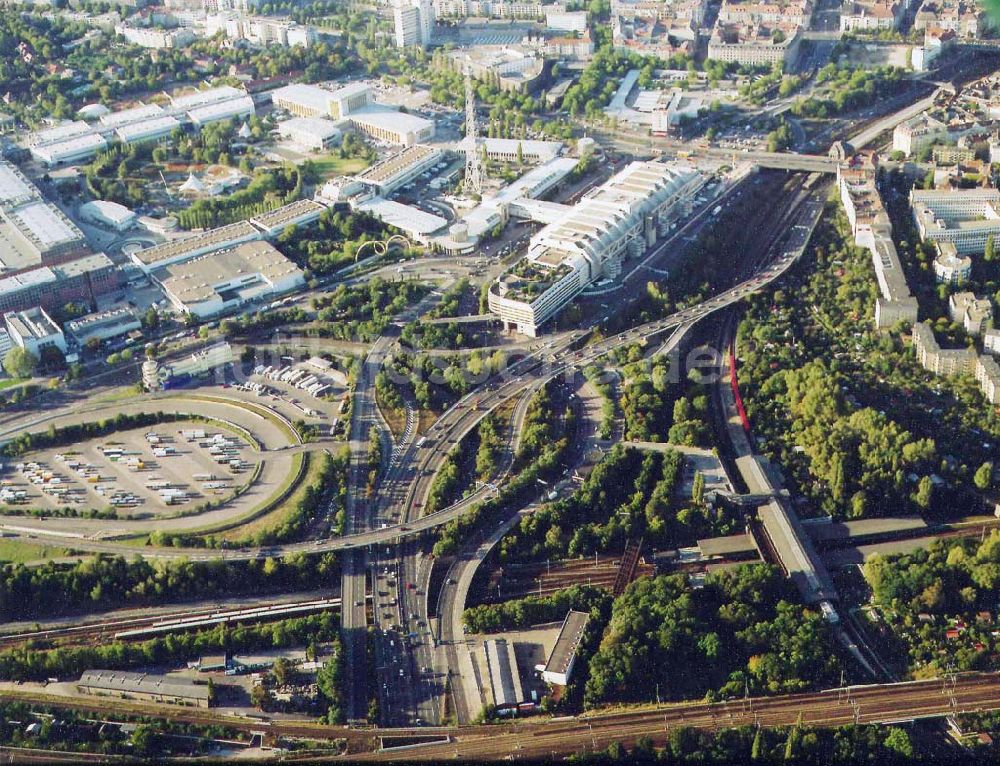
{"x":17,"y":552}
{"x":332,"y":165}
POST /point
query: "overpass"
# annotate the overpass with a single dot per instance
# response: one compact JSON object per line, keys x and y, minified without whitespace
{"x":877,"y":128}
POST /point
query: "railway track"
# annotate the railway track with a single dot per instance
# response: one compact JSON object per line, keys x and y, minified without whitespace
{"x":138,"y":628}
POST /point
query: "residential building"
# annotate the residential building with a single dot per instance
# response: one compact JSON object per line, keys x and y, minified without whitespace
{"x":872,"y":230}
{"x":925,"y":129}
{"x":120,"y":684}
{"x":413,"y":22}
{"x":590,"y":241}
{"x":966,"y":18}
{"x":969,"y":311}
{"x":950,"y":267}
{"x":946,"y":362}
{"x":755,"y":43}
{"x":260,"y":30}
{"x":988,"y":378}
{"x":155,"y":37}
{"x":965,"y":217}
{"x":34,"y":331}
{"x":792,"y":12}
{"x":871,"y":15}
{"x":991,"y":340}
{"x":654,"y":35}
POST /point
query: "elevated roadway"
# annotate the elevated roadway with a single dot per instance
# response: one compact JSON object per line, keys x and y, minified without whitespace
{"x":557,"y":357}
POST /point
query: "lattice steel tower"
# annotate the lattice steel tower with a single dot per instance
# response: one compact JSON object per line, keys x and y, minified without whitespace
{"x":473,"y":157}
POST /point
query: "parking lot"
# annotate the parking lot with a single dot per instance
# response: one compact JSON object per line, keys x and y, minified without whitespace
{"x":139,"y":473}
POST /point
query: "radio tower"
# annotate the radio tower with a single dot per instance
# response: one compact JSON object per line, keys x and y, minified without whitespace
{"x":473,"y":158}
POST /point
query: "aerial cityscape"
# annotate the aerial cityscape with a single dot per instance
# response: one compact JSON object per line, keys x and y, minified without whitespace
{"x":605,"y":381}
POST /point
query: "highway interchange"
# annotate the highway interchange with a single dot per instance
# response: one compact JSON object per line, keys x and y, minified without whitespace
{"x":386,"y":573}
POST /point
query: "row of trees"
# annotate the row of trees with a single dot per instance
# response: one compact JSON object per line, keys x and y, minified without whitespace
{"x":332,"y":241}
{"x":848,"y":87}
{"x":743,"y":632}
{"x":363,"y":311}
{"x":267,"y":190}
{"x":830,"y":407}
{"x":36,"y":664}
{"x":522,"y":613}
{"x":794,"y":746}
{"x":629,"y":494}
{"x":540,"y":456}
{"x":106,"y":582}
{"x":948,"y":585}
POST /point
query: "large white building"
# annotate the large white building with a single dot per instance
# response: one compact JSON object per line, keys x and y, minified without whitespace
{"x":228,"y":280}
{"x":314,"y":133}
{"x":413,"y":22}
{"x":34,"y":331}
{"x":305,"y":100}
{"x":393,"y":127}
{"x":873,"y":231}
{"x":964,"y":217}
{"x":590,"y":242}
{"x":110,"y":215}
{"x":66,"y":143}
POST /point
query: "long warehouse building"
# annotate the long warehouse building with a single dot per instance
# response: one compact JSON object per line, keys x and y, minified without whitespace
{"x":590,"y":242}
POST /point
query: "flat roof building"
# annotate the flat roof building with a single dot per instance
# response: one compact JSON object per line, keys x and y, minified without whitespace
{"x":623,"y":217}
{"x":34,"y":331}
{"x":104,"y":325}
{"x":40,"y":233}
{"x":305,"y":100}
{"x":231,"y":279}
{"x":504,"y":677}
{"x":111,"y":215}
{"x":190,"y":247}
{"x":392,"y":126}
{"x":65,"y":144}
{"x":132,"y":115}
{"x":233,"y":108}
{"x":399,"y":169}
{"x":315,"y":133}
{"x":296,"y":213}
{"x":81,"y":281}
{"x":151,"y":129}
{"x":15,"y":188}
{"x":174,"y":690}
{"x":559,"y":666}
{"x":514,"y":149}
{"x":965,"y":217}
{"x":872,"y":230}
